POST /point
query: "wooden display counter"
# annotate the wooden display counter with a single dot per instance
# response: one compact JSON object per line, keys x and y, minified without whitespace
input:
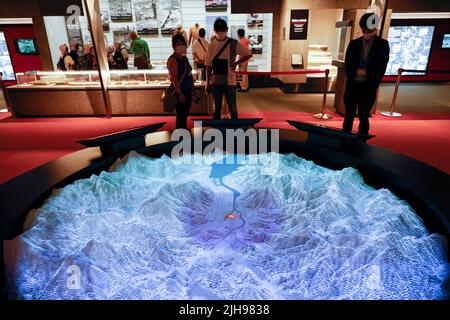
{"x":59,"y":100}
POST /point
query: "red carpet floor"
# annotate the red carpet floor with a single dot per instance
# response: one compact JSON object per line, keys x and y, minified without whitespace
{"x":27,"y":143}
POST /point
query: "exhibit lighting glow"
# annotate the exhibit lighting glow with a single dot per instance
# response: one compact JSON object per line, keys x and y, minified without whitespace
{"x":183,"y":229}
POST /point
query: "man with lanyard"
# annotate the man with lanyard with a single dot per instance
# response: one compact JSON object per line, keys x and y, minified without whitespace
{"x":365,"y":64}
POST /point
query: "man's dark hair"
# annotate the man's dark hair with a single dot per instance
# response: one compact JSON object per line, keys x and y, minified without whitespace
{"x":369,"y":21}
{"x":202,"y":33}
{"x":77,"y":46}
{"x":220,"y":25}
{"x":178,"y":38}
{"x":241,"y":32}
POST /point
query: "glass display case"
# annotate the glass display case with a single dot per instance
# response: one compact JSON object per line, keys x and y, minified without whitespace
{"x":58,"y":78}
{"x":158,"y":77}
{"x":79,"y":93}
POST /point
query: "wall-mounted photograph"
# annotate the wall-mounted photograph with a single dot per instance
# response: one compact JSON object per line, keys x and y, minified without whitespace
{"x":216,"y":5}
{"x":256,"y":43}
{"x":169,"y":15}
{"x":120,"y":10}
{"x":146,"y":17}
{"x":255,"y":20}
{"x":105,"y":19}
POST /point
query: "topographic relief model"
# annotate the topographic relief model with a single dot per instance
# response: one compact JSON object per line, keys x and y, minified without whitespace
{"x":201,"y":227}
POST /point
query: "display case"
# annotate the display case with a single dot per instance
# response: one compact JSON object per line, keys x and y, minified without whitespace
{"x":43,"y":79}
{"x":79,"y":93}
{"x":320,"y":58}
{"x":154,"y":78}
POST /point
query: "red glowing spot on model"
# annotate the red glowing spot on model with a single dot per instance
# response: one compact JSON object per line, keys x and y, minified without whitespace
{"x":230,"y":216}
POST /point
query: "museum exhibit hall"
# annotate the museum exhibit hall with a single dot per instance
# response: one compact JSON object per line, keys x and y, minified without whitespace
{"x":225,"y":150}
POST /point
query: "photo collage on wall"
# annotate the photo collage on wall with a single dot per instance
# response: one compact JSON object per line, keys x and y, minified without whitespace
{"x":216,"y":5}
{"x":410,"y":48}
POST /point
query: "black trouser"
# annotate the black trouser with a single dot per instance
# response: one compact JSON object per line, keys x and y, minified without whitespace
{"x":182,"y":110}
{"x":361,"y":96}
{"x":230,"y":94}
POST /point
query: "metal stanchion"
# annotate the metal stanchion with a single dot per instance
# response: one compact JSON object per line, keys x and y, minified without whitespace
{"x":324,"y":115}
{"x":391,"y":113}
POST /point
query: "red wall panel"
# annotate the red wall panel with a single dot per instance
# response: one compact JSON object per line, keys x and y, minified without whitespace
{"x":21,"y":62}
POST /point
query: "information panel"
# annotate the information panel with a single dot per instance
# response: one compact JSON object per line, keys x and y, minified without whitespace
{"x":410,"y":48}
{"x":299,"y":25}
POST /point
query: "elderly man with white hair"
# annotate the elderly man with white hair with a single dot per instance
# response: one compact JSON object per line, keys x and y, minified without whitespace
{"x":65,"y":62}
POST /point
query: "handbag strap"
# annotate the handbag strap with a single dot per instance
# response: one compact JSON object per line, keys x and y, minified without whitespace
{"x":201,"y":45}
{"x":185,"y":72}
{"x":223,"y":48}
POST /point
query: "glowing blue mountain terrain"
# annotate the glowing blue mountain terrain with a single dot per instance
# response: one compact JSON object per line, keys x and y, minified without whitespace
{"x":169,"y":229}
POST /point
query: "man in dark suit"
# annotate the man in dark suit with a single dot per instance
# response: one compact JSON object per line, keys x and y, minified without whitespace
{"x":365,"y":63}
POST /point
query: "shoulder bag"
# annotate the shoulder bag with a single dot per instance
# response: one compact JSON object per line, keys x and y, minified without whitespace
{"x":168,"y":98}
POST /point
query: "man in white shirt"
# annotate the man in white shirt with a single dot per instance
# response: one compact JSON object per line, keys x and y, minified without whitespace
{"x":199,"y":49}
{"x":220,"y":64}
{"x":65,"y":62}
